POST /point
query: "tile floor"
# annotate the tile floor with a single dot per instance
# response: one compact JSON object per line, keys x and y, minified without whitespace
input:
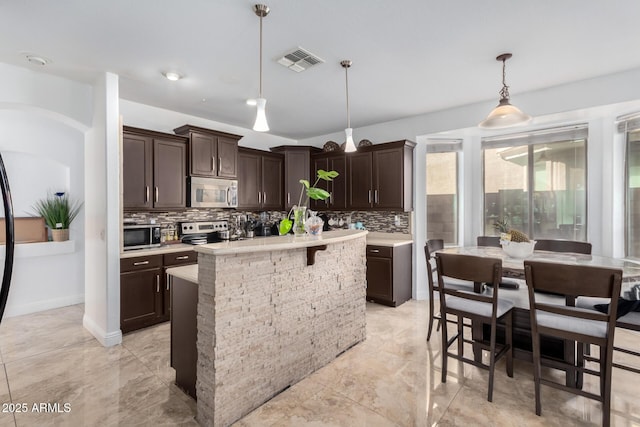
{"x":391,"y":379}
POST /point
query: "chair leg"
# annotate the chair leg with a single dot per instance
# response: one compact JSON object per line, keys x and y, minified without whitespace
{"x":445,"y":348}
{"x":492,"y":359}
{"x":536,"y":370}
{"x":460,"y":336}
{"x":580,"y":362}
{"x":509,"y":342}
{"x":431,"y":314}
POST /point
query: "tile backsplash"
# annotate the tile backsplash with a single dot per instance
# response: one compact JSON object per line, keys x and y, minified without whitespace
{"x":382,"y":221}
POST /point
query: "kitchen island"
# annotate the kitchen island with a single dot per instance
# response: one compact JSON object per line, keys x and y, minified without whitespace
{"x":270,"y":312}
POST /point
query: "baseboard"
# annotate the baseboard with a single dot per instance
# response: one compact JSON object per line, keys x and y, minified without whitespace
{"x":35,"y":307}
{"x":106,"y":339}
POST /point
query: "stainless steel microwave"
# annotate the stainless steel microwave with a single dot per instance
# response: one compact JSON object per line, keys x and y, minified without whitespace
{"x":212,"y":193}
{"x":141,"y":236}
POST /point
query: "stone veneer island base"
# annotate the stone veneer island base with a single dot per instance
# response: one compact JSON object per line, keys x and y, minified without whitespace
{"x":266,"y":319}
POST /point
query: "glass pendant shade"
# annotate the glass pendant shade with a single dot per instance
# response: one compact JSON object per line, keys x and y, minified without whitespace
{"x":504,"y":115}
{"x":261,"y":124}
{"x":349,"y":146}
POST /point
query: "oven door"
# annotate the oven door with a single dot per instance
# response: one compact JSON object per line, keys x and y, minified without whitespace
{"x":212,"y":193}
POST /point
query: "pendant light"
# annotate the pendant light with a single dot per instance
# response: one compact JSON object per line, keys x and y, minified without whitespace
{"x":349,"y":146}
{"x":505,"y":114}
{"x":261,"y":124}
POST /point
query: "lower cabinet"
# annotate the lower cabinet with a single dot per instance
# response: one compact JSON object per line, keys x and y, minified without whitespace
{"x":184,"y":334}
{"x":145,"y":290}
{"x":389,"y":274}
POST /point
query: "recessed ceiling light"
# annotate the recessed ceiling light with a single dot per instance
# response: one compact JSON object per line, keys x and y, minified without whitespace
{"x":38,"y":60}
{"x":252,"y":102}
{"x":172,"y":75}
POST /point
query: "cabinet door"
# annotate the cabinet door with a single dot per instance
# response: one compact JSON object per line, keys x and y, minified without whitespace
{"x":338,"y":187}
{"x":137,"y":171}
{"x":388,"y":179}
{"x":169,"y":174}
{"x":318,"y":163}
{"x":272,"y":183}
{"x":360,"y":181}
{"x":203,"y":154}
{"x":249,"y":176}
{"x":296,"y":167}
{"x":380,"y":279}
{"x":140,"y":299}
{"x":227,"y":157}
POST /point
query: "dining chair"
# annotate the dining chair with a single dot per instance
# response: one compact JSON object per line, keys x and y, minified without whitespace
{"x":488,"y":241}
{"x":573,"y":323}
{"x":486,"y":308}
{"x":432,"y":279}
{"x":563,"y":246}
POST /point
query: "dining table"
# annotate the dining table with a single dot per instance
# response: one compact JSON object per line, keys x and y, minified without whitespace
{"x":515,"y":290}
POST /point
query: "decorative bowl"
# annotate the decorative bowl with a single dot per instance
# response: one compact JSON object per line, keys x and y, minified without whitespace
{"x":518,"y":249}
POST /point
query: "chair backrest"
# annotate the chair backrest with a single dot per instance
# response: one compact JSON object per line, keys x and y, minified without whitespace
{"x":573,"y":281}
{"x":563,"y":246}
{"x":488,"y":241}
{"x":429,"y":251}
{"x":471,"y":268}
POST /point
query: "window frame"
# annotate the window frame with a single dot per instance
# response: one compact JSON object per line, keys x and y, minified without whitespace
{"x":436,"y":146}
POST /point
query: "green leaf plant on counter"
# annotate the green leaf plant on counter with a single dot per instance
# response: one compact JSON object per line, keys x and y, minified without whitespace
{"x":312,"y":193}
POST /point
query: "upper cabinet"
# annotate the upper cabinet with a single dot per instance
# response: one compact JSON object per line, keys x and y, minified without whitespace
{"x":260,"y":176}
{"x":297,"y":166}
{"x":381,"y":177}
{"x":153,"y":170}
{"x":211,"y":153}
{"x":331,"y":161}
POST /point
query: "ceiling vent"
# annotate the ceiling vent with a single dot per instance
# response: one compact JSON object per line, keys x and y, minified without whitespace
{"x":299,"y":60}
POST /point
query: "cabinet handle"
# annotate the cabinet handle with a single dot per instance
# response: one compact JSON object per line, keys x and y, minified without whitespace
{"x":141,"y":263}
{"x":156,"y":195}
{"x":259,"y":197}
{"x":213,"y":164}
{"x":146,"y":194}
{"x":219,"y":164}
{"x":182,"y":257}
{"x":369,"y":196}
{"x":157,"y":283}
{"x":375,"y":196}
{"x":264,"y":197}
{"x":374,"y":251}
{"x":168,"y":280}
{"x":288,"y":198}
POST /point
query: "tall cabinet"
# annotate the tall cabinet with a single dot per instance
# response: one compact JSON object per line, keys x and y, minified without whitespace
{"x":331,"y":161}
{"x":297,"y":166}
{"x":259,"y":179}
{"x":154,"y":170}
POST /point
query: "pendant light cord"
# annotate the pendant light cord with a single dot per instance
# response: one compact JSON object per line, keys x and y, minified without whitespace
{"x":260,"y":91}
{"x":504,"y":92}
{"x":346,"y":80}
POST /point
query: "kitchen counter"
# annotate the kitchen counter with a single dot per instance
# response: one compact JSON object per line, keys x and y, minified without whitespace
{"x":388,"y":239}
{"x":276,"y":243}
{"x":164,"y":249}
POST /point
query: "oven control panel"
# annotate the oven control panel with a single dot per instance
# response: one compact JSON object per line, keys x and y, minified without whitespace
{"x":203,"y":227}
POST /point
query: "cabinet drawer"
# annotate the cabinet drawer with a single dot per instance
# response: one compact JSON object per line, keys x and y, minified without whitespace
{"x":180,"y":258}
{"x":380,"y":251}
{"x":140,"y":263}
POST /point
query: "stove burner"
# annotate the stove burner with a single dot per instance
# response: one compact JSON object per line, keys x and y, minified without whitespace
{"x":200,"y":233}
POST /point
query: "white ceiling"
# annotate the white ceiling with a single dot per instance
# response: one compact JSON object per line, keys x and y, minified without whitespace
{"x":409,"y":57}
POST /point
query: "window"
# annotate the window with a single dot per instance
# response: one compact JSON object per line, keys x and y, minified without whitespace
{"x":632,"y":129}
{"x":442,"y":191}
{"x":537,"y":183}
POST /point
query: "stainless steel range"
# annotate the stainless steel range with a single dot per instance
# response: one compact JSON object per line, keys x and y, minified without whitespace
{"x":199,"y":233}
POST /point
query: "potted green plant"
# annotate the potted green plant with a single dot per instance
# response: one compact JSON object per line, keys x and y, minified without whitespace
{"x":299,"y":210}
{"x":58,"y":213}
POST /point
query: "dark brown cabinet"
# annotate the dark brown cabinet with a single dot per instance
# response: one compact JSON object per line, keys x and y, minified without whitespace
{"x":184,"y":333}
{"x":145,"y":289}
{"x":141,"y":297}
{"x":154,"y":170}
{"x":337,"y":187}
{"x":297,"y":166}
{"x":211,"y":153}
{"x":389,"y":274}
{"x":259,"y":180}
{"x":381,"y":177}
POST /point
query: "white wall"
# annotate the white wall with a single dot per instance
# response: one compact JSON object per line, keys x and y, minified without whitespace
{"x":595,"y":101}
{"x":43,"y":120}
{"x":161,"y":120}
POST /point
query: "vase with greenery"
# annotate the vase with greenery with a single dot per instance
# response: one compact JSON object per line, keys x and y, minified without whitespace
{"x":58,"y":212}
{"x":299,"y":211}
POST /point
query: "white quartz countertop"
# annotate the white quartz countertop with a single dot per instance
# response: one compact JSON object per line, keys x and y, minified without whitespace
{"x":276,"y":243}
{"x":388,"y":239}
{"x":186,"y":272}
{"x":166,"y":249}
